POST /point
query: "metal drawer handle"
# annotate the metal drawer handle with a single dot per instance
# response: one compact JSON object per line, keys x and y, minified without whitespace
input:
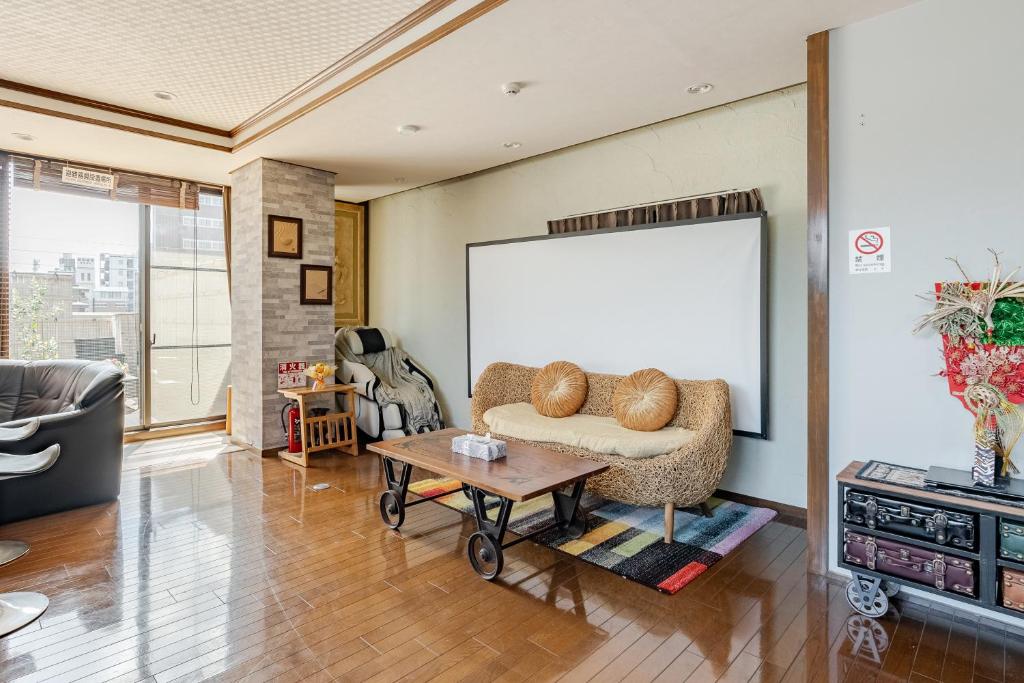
{"x":870,"y":512}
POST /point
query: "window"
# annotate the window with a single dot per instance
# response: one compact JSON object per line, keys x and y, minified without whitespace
{"x":56,"y":311}
{"x":190,"y":318}
{"x":87,"y":275}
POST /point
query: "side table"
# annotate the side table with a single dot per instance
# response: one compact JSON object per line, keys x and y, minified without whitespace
{"x":323,"y":432}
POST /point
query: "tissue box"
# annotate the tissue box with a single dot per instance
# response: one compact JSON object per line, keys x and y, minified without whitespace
{"x":481,"y":447}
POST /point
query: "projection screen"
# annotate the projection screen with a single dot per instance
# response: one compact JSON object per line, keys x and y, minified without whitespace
{"x":686,"y":297}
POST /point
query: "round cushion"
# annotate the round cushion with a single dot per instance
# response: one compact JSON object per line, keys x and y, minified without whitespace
{"x":559,"y":389}
{"x":645,"y":401}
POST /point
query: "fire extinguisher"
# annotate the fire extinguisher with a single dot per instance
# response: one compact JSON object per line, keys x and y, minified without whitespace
{"x":293,"y":426}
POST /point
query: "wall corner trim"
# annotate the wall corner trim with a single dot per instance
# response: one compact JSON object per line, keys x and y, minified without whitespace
{"x":817,"y":303}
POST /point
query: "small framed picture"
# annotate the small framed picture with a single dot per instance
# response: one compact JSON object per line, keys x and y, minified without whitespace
{"x":315,"y":284}
{"x":285,"y":237}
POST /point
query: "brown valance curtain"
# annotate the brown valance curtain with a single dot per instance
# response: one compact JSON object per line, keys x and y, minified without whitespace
{"x":45,"y":174}
{"x":723,"y":204}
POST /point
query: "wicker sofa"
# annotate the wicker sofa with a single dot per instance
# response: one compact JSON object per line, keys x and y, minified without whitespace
{"x":683,"y":478}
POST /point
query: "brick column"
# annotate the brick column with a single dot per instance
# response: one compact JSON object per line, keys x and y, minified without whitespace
{"x":268,"y":325}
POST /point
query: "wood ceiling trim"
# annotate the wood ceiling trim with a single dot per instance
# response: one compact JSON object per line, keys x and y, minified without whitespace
{"x":409,"y":50}
{"x":112,"y":108}
{"x":410,"y":21}
{"x":393,"y":32}
{"x":111,"y":124}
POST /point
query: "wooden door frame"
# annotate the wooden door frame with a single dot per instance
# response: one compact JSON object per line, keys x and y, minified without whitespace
{"x":817,"y":304}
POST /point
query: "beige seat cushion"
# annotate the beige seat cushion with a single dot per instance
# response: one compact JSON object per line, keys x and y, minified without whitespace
{"x":591,"y":432}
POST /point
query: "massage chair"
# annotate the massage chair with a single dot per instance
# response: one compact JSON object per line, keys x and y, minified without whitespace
{"x":356,"y":349}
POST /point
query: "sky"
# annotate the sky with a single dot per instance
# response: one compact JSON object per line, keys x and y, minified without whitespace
{"x":45,"y":225}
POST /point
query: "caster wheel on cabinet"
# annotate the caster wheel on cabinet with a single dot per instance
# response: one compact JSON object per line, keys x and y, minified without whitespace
{"x":878,"y":605}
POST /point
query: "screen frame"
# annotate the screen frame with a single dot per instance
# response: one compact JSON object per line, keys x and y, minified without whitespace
{"x":763,"y":309}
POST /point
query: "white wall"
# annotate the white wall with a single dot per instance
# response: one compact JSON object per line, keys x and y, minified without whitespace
{"x":926,"y":136}
{"x":417,"y":248}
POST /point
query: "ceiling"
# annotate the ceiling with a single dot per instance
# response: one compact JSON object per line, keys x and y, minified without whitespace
{"x":225,"y":60}
{"x":589,"y":68}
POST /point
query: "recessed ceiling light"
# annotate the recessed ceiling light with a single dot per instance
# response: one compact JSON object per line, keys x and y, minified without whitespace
{"x":408,"y":129}
{"x":164,"y":95}
{"x":24,"y":136}
{"x":512,"y":145}
{"x":700,"y":88}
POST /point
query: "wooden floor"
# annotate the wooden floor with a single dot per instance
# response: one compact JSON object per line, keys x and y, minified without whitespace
{"x":233,"y":568}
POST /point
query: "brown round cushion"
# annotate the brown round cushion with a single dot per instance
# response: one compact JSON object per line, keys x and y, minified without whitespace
{"x":559,"y":389}
{"x":645,"y":401}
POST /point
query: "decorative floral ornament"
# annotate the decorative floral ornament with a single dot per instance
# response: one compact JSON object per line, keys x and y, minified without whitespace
{"x":994,"y":367}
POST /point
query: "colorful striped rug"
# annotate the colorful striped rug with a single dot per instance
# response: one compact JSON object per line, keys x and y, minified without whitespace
{"x":628,"y":540}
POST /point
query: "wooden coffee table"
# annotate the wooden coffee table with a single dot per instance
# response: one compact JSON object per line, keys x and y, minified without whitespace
{"x":525,"y":473}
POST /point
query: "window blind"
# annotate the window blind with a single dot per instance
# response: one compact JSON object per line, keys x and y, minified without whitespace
{"x":46,"y":174}
{"x":5,"y":255}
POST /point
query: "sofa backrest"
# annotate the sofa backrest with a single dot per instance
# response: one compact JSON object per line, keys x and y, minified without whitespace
{"x":36,"y":388}
{"x":699,"y":400}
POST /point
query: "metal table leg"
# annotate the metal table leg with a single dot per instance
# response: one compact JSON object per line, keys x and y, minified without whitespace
{"x":485,"y":547}
{"x":393,"y":501}
{"x":11,"y":550}
{"x":20,"y":609}
{"x":568,"y":515}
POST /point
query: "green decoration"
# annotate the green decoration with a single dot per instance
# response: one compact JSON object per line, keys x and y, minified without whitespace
{"x":1008,"y":321}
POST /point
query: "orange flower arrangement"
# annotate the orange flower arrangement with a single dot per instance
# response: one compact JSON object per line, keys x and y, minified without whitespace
{"x":319,"y":372}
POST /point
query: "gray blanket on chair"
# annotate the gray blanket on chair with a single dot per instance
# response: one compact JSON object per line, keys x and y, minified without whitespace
{"x":397,"y":383}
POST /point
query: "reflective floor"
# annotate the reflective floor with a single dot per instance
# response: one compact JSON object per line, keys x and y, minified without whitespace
{"x":229,"y":567}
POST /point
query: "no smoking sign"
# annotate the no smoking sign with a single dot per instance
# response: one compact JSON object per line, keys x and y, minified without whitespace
{"x":870,"y":251}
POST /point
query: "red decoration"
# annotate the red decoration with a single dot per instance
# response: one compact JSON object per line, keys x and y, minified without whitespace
{"x":1009,"y":378}
{"x":967,"y":360}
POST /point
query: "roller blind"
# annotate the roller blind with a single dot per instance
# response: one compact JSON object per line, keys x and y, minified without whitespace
{"x":5,"y":255}
{"x":46,"y":174}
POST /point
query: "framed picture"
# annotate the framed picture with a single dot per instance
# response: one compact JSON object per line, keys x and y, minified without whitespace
{"x":285,"y":237}
{"x":349,"y":264}
{"x":315,"y":284}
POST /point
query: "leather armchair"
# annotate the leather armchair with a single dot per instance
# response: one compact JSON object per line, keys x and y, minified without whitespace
{"x":79,"y":406}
